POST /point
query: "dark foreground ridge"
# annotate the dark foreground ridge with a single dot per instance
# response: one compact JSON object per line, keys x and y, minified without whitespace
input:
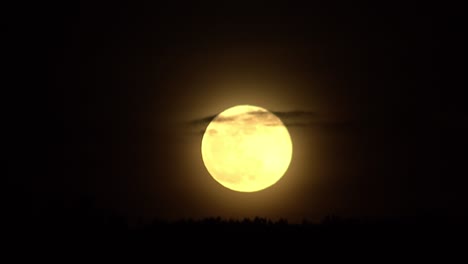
{"x":85,"y":226}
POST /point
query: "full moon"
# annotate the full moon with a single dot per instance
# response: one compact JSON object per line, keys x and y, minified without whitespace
{"x":246,"y":148}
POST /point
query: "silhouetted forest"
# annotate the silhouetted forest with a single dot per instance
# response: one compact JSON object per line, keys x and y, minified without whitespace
{"x":85,"y":220}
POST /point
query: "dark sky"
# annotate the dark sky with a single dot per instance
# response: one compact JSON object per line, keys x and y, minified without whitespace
{"x":127,"y":86}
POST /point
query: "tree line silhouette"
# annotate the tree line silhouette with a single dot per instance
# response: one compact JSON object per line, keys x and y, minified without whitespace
{"x":85,"y":220}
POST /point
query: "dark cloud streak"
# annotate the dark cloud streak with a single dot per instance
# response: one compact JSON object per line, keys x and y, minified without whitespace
{"x":289,"y":118}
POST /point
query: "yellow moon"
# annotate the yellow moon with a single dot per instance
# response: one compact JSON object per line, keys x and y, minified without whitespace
{"x":246,"y":148}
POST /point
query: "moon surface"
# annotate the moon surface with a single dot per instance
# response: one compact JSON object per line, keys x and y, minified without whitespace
{"x":246,"y":148}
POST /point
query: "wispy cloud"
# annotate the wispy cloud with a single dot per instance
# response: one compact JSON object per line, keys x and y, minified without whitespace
{"x":202,"y":121}
{"x":314,"y":119}
{"x":289,"y":118}
{"x":298,"y":118}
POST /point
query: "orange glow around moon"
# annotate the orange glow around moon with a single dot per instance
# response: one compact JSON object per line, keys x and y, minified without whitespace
{"x":246,"y":148}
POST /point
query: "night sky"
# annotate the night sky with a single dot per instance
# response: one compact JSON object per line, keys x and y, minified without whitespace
{"x":130,"y":88}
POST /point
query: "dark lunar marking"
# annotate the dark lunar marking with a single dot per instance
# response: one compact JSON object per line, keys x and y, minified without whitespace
{"x":248,"y":130}
{"x":230,"y":179}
